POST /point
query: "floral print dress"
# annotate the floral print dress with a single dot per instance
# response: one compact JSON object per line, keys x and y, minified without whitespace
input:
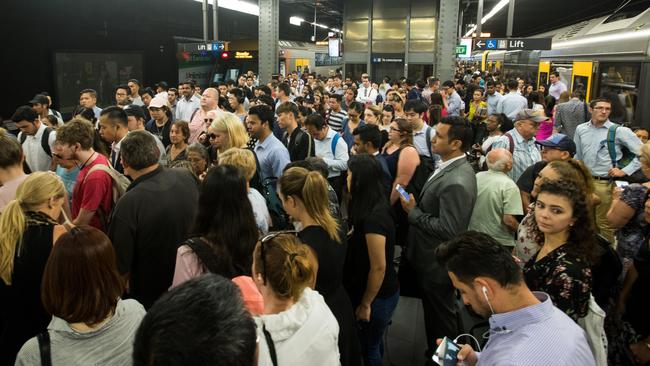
{"x":564,"y":277}
{"x":630,"y":237}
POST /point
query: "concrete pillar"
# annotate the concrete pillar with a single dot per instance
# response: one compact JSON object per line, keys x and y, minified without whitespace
{"x":268,"y":39}
{"x":511,"y":16}
{"x":447,"y":39}
{"x":215,"y":19}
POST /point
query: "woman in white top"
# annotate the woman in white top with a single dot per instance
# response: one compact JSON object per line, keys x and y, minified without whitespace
{"x":297,"y":327}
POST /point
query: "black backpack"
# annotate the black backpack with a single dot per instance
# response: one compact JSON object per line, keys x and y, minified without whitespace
{"x":45,"y":144}
{"x":268,"y":189}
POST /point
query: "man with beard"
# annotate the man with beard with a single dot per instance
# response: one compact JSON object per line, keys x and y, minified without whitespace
{"x":525,"y":327}
{"x":187,"y":102}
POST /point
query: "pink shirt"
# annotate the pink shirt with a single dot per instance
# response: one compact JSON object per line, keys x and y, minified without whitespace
{"x":197,"y":125}
{"x":8,"y":190}
{"x":545,"y":130}
{"x":188,"y":267}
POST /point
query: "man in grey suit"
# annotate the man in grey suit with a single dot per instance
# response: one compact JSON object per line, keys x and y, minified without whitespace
{"x":442,"y":211}
{"x":571,"y":114}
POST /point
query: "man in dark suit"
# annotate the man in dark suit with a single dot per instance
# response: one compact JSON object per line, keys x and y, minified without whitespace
{"x":442,"y":211}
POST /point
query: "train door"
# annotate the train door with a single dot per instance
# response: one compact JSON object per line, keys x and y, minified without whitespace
{"x":542,"y":73}
{"x":582,"y":77}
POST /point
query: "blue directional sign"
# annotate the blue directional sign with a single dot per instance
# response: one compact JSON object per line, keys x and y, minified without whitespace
{"x":482,"y":44}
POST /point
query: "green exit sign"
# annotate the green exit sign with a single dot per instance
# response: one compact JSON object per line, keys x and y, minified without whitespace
{"x":461,"y":49}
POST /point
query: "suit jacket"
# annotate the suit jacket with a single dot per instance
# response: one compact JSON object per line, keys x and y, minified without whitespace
{"x":443,"y":210}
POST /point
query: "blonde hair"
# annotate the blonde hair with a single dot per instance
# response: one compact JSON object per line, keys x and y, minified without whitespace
{"x":33,"y":192}
{"x":376,"y":111}
{"x":311,"y":189}
{"x":289,"y":265}
{"x":231,"y":124}
{"x":243,"y":159}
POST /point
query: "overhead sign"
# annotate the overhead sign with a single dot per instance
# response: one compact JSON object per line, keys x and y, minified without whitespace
{"x":511,"y":44}
{"x":378,"y":60}
{"x":210,"y":46}
{"x":464,"y":49}
{"x":243,"y":55}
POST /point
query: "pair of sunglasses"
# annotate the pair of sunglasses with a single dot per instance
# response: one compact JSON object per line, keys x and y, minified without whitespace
{"x":265,"y":239}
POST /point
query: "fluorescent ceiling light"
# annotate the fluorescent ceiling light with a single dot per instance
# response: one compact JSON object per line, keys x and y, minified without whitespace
{"x":296,"y":20}
{"x":489,"y":15}
{"x":254,"y":9}
{"x":237,"y":5}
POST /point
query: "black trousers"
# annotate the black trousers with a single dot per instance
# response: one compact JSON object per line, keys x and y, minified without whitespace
{"x":440,"y":311}
{"x":337,"y":184}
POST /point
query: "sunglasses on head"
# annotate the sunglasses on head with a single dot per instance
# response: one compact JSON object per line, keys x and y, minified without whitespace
{"x":208,"y":120}
{"x":265,"y":239}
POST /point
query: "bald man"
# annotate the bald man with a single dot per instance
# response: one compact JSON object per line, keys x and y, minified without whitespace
{"x":498,"y":200}
{"x":200,"y":120}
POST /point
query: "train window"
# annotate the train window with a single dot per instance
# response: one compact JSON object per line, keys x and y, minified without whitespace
{"x":580,"y":83}
{"x":620,"y":82}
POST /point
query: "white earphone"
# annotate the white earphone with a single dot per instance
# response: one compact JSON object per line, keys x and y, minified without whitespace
{"x":486,"y":298}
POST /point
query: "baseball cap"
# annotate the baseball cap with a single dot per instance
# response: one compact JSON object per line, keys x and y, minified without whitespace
{"x":134,"y":111}
{"x":559,"y":141}
{"x":39,"y":99}
{"x":159,"y":101}
{"x":531,"y":115}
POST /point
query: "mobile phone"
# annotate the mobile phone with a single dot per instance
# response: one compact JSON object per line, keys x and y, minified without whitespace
{"x":621,"y":183}
{"x":401,"y":191}
{"x":447,"y":353}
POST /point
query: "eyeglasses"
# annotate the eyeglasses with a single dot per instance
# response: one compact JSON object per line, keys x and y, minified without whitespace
{"x":267,"y":238}
{"x":212,"y":136}
{"x":395,"y":129}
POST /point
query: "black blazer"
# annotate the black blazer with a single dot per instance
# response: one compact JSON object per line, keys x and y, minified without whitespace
{"x":443,"y":211}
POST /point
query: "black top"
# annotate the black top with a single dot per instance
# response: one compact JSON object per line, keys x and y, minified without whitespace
{"x":637,"y":304}
{"x":300,"y":144}
{"x":391,"y":161}
{"x":564,"y":277}
{"x":331,"y":256}
{"x":23,"y":316}
{"x":161,"y":132}
{"x":357,"y":264}
{"x":526,"y":181}
{"x":148,"y":224}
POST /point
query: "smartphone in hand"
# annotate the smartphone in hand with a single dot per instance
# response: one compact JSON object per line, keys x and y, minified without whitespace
{"x":403,"y":192}
{"x":447,"y":353}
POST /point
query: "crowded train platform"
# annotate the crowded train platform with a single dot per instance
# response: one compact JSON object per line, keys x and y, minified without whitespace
{"x":480,"y":208}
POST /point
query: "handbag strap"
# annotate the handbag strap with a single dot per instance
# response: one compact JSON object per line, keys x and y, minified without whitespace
{"x":44,"y":348}
{"x":271,"y":345}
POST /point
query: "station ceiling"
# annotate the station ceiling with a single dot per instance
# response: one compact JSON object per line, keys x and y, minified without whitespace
{"x":538,"y":16}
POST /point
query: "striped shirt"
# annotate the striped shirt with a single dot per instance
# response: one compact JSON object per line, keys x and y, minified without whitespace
{"x":525,"y":152}
{"x":540,"y":334}
{"x":335,"y":119}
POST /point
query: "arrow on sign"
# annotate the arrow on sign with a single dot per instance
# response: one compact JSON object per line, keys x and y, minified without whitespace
{"x":480,"y":44}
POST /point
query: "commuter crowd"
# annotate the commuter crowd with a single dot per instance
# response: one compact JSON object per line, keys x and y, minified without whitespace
{"x":280,"y":223}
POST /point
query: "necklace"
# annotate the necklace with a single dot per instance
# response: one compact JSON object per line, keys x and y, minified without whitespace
{"x":85,"y":162}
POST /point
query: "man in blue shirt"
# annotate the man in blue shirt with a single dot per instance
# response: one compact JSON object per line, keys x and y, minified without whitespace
{"x":592,"y":148}
{"x":512,"y":102}
{"x":272,"y":155}
{"x":525,"y":327}
{"x":454,"y":102}
{"x":493,"y":97}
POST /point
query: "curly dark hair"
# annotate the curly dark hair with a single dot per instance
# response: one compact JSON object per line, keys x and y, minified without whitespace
{"x":582,"y":241}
